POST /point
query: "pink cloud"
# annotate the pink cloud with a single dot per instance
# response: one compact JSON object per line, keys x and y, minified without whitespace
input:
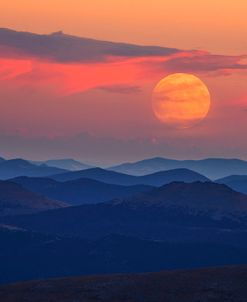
{"x":12,"y":68}
{"x":70,"y":78}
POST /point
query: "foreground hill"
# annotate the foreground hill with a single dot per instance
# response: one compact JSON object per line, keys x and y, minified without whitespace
{"x":42,"y":256}
{"x":79,"y":191}
{"x":236,"y":182}
{"x":15,"y":200}
{"x":156,"y":179}
{"x":19,"y":167}
{"x":177,"y":211}
{"x":228,"y":284}
{"x":213,"y":168}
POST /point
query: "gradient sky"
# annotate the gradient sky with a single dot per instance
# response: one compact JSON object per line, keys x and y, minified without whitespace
{"x":218,"y":26}
{"x":95,"y":105}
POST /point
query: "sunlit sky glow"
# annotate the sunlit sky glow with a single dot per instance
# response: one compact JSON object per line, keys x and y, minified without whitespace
{"x":98,"y":107}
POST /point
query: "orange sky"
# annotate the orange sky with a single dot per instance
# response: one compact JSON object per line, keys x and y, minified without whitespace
{"x":99,"y":107}
{"x":221,"y":26}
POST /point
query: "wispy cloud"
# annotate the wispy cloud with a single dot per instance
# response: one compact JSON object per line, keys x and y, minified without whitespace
{"x":121,"y":88}
{"x":205,"y":63}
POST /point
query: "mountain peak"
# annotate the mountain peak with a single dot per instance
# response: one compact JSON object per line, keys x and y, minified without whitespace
{"x":205,"y":196}
{"x":15,"y":200}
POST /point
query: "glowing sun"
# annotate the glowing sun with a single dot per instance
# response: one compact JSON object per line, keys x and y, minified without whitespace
{"x":181,"y":100}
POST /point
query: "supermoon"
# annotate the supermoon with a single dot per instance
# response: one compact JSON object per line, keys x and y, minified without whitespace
{"x":181,"y":100}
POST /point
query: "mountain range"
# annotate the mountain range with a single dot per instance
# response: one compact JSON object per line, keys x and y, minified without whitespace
{"x":79,"y":191}
{"x":196,"y":212}
{"x":98,"y":221}
{"x":155,"y":179}
{"x":212,"y":168}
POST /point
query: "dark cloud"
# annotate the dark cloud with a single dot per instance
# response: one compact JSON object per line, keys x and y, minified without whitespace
{"x":204,"y":63}
{"x":121,"y":88}
{"x":65,"y":48}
